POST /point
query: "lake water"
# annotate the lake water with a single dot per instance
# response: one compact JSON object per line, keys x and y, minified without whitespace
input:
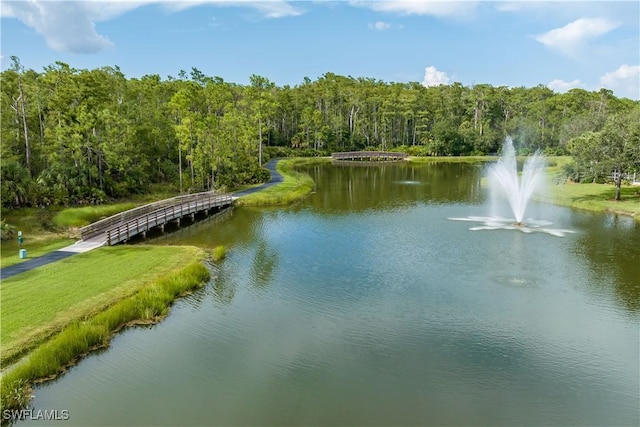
{"x":366,"y":305}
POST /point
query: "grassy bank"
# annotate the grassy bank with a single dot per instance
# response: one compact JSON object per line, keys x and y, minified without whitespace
{"x":592,"y":197}
{"x":295,"y":185}
{"x":588,"y":196}
{"x":40,"y":303}
{"x":89,"y":320}
{"x":51,"y":228}
{"x":595,"y":197}
{"x":85,"y":215}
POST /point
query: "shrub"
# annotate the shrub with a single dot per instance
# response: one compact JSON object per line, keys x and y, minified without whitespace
{"x":8,"y":231}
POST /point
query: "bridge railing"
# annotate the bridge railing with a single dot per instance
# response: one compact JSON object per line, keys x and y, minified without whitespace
{"x":101,"y":226}
{"x":144,"y":222}
{"x":351,"y":155}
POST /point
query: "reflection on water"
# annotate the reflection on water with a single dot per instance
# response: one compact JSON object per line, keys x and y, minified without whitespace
{"x":611,"y":250}
{"x":365,"y":305}
{"x":528,"y":226}
{"x":354,"y":188}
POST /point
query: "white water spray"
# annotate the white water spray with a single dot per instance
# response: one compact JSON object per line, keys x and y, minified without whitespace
{"x":504,"y":179}
{"x":504,"y":175}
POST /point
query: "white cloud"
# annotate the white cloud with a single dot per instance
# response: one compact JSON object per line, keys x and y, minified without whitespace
{"x":567,"y":11}
{"x":433,"y":77}
{"x":274,"y":9}
{"x":419,"y":7}
{"x":573,"y":35}
{"x":70,"y":26}
{"x":561,"y":86}
{"x":268,"y":8}
{"x":379,"y":26}
{"x":625,"y":81}
{"x":66,"y":26}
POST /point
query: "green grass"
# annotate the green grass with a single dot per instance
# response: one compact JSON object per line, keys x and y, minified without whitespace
{"x":593,"y":197}
{"x":84,"y":215}
{"x":10,"y":250}
{"x":40,"y":235}
{"x":295,"y":185}
{"x":79,"y":217}
{"x":589,"y":196}
{"x":156,"y":192}
{"x":46,"y":230}
{"x":219,"y":252}
{"x":31,"y":220}
{"x":41,"y":302}
{"x":52,"y":228}
{"x":147,"y":305}
{"x":596,"y":197}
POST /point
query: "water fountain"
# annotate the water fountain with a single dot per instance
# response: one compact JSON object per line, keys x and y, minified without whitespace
{"x":503,"y":175}
{"x":504,"y":180}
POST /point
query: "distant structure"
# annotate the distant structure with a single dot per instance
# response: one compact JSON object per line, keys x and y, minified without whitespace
{"x":368,"y":156}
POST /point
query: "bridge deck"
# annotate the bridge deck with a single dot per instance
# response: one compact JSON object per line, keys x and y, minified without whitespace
{"x":125,"y":225}
{"x":371,"y":156}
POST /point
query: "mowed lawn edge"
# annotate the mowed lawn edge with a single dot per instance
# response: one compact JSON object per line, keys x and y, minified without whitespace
{"x":596,"y":198}
{"x":295,"y":185}
{"x":39,"y":303}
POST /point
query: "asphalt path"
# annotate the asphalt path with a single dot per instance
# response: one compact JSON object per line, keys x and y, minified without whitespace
{"x":84,"y":246}
{"x":276,"y":178}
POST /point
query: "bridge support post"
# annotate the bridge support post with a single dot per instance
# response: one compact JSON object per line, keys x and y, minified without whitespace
{"x":162,"y":228}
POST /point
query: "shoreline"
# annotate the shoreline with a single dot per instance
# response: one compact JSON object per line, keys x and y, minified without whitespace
{"x":96,"y":331}
{"x":149,"y":305}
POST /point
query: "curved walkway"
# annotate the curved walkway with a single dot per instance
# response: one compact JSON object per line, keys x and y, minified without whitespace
{"x":276,"y":178}
{"x":98,"y":241}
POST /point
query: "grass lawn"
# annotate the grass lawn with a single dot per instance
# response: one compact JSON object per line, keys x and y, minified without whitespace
{"x":596,"y":197}
{"x":85,"y":215}
{"x":52,"y":228}
{"x":589,"y":196}
{"x":35,"y":245}
{"x":295,"y":185}
{"x":41,"y":302}
{"x":40,"y":236}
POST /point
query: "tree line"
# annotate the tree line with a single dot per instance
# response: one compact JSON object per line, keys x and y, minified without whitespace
{"x":77,"y":136}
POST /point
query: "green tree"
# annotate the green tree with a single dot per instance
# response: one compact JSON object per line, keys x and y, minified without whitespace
{"x":262,"y":101}
{"x":614,"y":151}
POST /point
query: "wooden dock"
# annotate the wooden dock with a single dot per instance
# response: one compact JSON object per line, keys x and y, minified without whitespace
{"x":368,"y":156}
{"x":125,"y":225}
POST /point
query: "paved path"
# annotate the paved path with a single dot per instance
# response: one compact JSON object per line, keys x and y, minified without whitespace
{"x":275,"y":179}
{"x":100,"y":240}
{"x":76,"y":248}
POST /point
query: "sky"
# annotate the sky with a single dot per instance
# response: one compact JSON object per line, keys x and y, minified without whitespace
{"x":559,"y":44}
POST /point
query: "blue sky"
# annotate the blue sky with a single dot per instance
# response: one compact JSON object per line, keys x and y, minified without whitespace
{"x":560,"y":44}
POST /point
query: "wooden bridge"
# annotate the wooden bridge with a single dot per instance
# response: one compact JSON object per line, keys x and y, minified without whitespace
{"x":368,"y":156}
{"x":125,"y":225}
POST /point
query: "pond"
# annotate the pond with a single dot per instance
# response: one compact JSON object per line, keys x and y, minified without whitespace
{"x":366,"y":305}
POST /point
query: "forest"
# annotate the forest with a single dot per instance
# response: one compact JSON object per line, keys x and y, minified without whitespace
{"x":76,"y":136}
